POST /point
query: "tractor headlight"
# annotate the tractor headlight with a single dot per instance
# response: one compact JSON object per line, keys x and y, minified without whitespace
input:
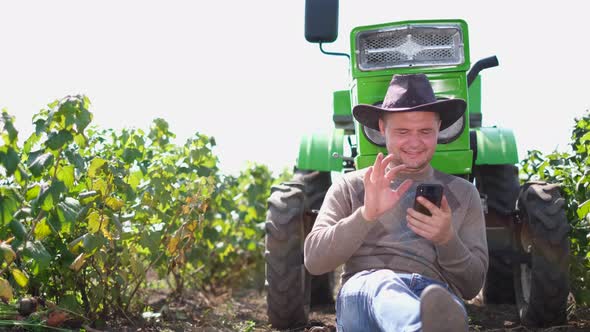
{"x":374,"y":136}
{"x":410,"y":45}
{"x":453,"y":131}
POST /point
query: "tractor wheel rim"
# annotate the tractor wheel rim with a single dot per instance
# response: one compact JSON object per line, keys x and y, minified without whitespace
{"x":525,"y":282}
{"x":526,"y":243}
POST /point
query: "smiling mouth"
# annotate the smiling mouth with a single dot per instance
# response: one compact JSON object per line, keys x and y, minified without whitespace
{"x":413,"y":153}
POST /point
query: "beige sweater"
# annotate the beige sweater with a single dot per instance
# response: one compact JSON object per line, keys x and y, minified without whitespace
{"x":341,"y":235}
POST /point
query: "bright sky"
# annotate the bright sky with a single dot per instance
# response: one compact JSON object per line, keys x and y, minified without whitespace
{"x":241,"y":71}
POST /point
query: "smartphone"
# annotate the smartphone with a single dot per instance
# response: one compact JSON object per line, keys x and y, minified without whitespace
{"x":430,"y":191}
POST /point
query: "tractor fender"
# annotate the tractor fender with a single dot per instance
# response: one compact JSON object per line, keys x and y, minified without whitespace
{"x":321,"y":152}
{"x":494,"y":146}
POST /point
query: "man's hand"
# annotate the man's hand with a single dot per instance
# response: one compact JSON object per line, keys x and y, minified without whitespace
{"x":436,"y":228}
{"x":379,"y":197}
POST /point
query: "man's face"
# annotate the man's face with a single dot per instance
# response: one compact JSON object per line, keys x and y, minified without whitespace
{"x":410,"y":137}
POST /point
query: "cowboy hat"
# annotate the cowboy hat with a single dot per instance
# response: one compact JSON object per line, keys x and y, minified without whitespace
{"x":410,"y":93}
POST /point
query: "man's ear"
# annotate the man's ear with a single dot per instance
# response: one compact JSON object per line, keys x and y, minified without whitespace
{"x":382,"y":126}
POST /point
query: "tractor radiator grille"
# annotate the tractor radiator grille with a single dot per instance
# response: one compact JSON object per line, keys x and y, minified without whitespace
{"x":410,"y":45}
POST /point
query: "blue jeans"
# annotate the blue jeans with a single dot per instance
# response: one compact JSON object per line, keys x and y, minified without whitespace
{"x":382,"y":300}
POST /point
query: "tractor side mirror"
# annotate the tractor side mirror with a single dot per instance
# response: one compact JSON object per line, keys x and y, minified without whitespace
{"x":321,"y":21}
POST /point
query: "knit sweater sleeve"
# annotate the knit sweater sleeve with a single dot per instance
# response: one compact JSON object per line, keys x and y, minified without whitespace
{"x":464,"y":259}
{"x":338,"y":231}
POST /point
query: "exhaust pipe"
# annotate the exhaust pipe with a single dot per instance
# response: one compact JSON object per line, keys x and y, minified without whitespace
{"x":479,"y":66}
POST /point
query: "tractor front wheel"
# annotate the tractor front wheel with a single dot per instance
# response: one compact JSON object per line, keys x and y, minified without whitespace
{"x":288,"y":284}
{"x":541,"y":277}
{"x":292,"y":208}
{"x":500,"y":184}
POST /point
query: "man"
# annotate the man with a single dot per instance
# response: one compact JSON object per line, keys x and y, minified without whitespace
{"x":403,"y":270}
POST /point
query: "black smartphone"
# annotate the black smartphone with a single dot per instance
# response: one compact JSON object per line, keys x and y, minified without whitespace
{"x":432,"y":192}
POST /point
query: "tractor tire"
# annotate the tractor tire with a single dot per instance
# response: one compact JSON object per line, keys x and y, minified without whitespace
{"x":289,"y":219}
{"x":316,"y":185}
{"x":501,"y":186}
{"x":287,"y":281}
{"x":542,"y":283}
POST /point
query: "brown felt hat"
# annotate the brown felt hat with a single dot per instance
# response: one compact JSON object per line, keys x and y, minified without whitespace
{"x":410,"y":93}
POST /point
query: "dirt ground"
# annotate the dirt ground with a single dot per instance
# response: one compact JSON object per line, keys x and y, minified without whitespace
{"x":245,"y":310}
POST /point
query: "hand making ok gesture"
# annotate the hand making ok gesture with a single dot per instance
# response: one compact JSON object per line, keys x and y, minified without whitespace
{"x":379,"y":197}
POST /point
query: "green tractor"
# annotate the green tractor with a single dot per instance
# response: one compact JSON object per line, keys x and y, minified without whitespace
{"x":527,"y":230}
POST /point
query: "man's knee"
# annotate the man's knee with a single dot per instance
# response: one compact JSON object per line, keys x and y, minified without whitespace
{"x":370,"y":281}
{"x":352,"y":312}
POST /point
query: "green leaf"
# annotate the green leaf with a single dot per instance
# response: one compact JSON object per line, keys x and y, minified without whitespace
{"x":138,"y":138}
{"x":10,"y":160}
{"x":93,"y":222}
{"x":67,"y":110}
{"x":68,"y":301}
{"x":44,"y":201}
{"x":40,"y":126}
{"x":30,"y":143}
{"x":37,"y":256}
{"x":57,"y":189}
{"x":100,"y":185}
{"x":33,"y":192}
{"x":585,"y":138}
{"x":75,"y":246}
{"x":40,"y":163}
{"x":7,"y":125}
{"x":95,"y":165}
{"x":80,"y":140}
{"x":9,"y":133}
{"x":114,"y":203}
{"x":130,"y":155}
{"x":583,"y":209}
{"x":88,"y":196}
{"x":55,"y":224}
{"x":151,"y":240}
{"x":136,"y":267}
{"x":67,"y":212}
{"x":18,"y":229}
{"x":75,"y":159}
{"x":98,"y":222}
{"x":56,"y":141}
{"x":21,"y":176}
{"x":209,"y":162}
{"x":92,"y":242}
{"x":8,"y":206}
{"x":134,"y":179}
{"x":83,"y":120}
{"x":66,"y":175}
{"x":48,"y":198}
{"x":20,"y":277}
{"x":161,"y":125}
{"x":42,"y":230}
{"x":125,"y":191}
